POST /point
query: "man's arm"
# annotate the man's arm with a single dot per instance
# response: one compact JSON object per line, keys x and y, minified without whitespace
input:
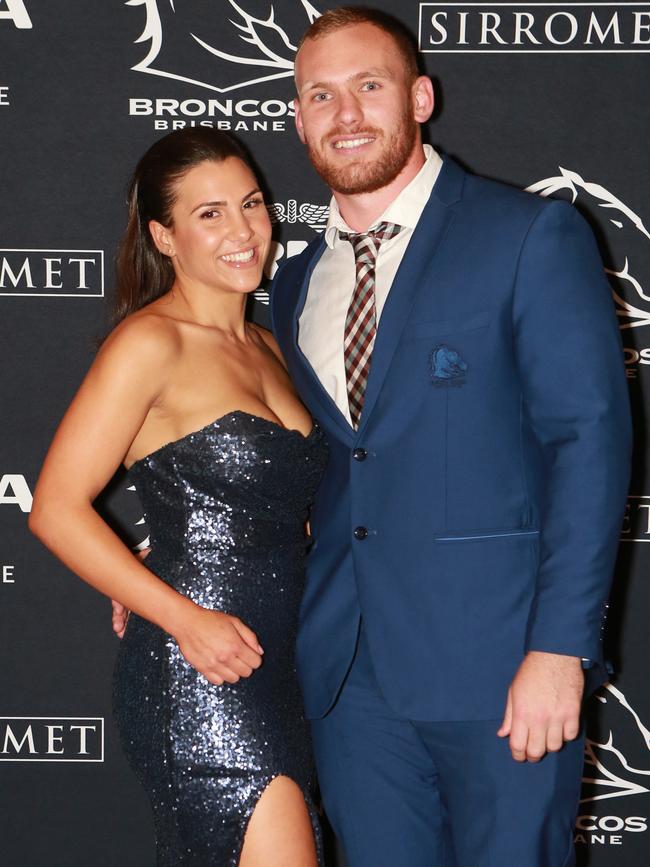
{"x":570,"y":362}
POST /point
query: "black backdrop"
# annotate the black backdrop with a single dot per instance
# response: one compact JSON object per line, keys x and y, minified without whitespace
{"x":548,"y":96}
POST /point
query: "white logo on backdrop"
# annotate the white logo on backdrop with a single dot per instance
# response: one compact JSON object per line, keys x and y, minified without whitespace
{"x":636,"y":520}
{"x":534,"y":28}
{"x":611,"y":774}
{"x":292,"y":213}
{"x":145,"y":541}
{"x":52,"y":273}
{"x":262,"y":49}
{"x":51,"y":739}
{"x":632,"y":301}
{"x":16,"y":12}
{"x":14,"y":491}
{"x":314,"y":215}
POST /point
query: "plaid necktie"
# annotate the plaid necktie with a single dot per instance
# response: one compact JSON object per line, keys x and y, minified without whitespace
{"x":361,"y":320}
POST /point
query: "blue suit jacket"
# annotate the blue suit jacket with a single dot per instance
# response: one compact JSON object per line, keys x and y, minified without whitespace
{"x":497,"y":437}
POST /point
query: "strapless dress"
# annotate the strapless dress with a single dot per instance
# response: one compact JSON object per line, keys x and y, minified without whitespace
{"x":226,"y":508}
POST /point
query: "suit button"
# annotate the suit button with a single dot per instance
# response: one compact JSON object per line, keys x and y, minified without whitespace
{"x":359,"y":454}
{"x":360,"y":533}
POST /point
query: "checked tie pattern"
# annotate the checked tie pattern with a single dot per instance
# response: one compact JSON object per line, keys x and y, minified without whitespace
{"x":361,"y":320}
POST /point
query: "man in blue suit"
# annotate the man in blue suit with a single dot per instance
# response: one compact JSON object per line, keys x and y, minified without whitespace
{"x":456,"y":340}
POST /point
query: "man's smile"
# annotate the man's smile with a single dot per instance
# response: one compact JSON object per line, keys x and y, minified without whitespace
{"x":352,"y":143}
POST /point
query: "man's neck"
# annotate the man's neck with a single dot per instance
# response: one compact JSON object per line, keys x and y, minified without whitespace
{"x":361,"y":210}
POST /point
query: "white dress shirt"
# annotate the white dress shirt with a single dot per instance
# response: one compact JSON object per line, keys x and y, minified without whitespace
{"x":322,"y":321}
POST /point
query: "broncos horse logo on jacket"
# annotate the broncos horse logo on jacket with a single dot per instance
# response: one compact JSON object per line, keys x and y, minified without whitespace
{"x":447,"y":367}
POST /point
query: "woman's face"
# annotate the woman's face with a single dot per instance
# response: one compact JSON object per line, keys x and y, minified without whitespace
{"x":220,"y":232}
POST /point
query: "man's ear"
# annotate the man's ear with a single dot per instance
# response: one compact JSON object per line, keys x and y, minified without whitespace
{"x":423,"y":98}
{"x":299,"y":127}
{"x":162,"y":238}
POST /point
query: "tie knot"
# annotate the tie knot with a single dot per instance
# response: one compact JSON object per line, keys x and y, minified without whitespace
{"x":364,"y":243}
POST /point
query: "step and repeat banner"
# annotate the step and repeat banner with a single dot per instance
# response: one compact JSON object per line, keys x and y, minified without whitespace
{"x":552,"y":97}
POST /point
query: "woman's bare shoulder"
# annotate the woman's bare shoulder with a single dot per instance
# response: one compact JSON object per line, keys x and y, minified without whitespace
{"x":144,"y":336}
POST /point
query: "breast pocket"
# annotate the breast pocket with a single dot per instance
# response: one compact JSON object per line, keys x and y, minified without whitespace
{"x":448,"y":353}
{"x":435,"y":328}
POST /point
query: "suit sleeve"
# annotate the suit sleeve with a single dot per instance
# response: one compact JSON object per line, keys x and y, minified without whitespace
{"x":575,"y":399}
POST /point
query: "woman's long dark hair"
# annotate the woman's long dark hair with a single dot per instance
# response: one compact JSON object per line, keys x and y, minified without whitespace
{"x":143,"y":273}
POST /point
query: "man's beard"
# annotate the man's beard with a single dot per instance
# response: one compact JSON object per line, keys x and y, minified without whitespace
{"x":366,"y":176}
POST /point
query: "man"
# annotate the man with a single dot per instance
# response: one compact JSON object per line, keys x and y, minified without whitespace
{"x":456,"y":340}
{"x":465,"y":363}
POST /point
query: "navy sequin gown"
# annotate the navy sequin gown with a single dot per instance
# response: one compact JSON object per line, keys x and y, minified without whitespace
{"x":226,"y":508}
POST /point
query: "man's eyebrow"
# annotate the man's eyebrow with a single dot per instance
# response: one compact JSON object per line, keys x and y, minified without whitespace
{"x":378,"y":72}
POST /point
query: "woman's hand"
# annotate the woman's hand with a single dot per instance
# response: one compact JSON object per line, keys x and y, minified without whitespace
{"x":218,"y":645}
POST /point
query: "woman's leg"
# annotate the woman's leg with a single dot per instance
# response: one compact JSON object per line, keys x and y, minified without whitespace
{"x":280,"y":830}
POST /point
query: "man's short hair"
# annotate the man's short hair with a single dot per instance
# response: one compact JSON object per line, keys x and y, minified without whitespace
{"x":346,"y":16}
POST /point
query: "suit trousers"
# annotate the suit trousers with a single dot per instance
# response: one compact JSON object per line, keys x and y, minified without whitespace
{"x":406,"y":793}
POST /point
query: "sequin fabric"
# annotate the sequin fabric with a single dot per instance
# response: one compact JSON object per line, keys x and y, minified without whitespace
{"x":226,"y":508}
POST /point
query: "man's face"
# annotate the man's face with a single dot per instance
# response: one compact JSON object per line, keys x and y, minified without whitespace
{"x":355,"y":108}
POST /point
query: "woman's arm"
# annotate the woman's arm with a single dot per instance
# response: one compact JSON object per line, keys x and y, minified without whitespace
{"x":126,"y":380}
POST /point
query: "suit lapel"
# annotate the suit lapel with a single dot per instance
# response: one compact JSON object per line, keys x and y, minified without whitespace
{"x":303,"y":374}
{"x":413,"y":273}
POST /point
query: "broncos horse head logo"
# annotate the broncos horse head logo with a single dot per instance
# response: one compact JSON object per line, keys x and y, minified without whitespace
{"x":186,"y":37}
{"x":613,"y":726}
{"x":447,"y":367}
{"x":623,"y":241}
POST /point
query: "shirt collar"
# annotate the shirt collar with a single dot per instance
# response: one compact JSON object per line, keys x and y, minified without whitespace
{"x":405,"y":210}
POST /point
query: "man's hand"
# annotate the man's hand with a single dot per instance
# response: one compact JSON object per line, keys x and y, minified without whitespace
{"x":120,"y":618}
{"x":543,"y":707}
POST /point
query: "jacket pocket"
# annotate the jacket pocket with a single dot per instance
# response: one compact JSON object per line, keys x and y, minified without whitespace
{"x":440,"y":327}
{"x":488,"y":534}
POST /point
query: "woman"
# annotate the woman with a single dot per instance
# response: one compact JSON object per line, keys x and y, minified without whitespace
{"x":197,"y":404}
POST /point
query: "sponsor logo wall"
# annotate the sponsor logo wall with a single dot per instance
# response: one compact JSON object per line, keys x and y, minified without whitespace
{"x":84,"y":90}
